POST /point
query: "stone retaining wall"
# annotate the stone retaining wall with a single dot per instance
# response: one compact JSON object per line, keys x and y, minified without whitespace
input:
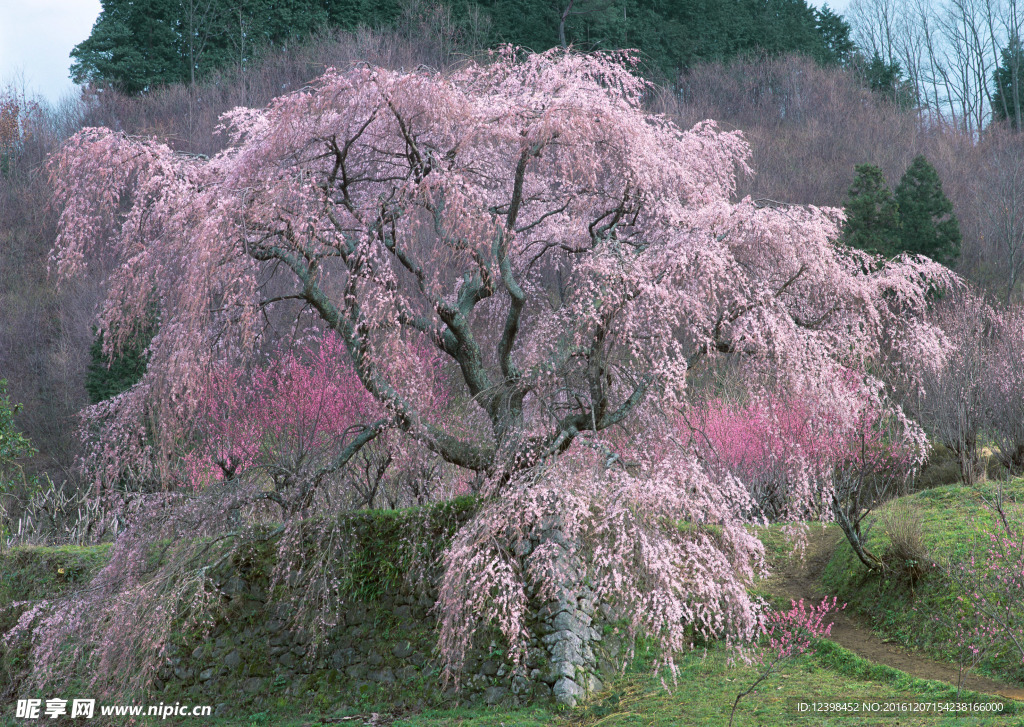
{"x":381,"y":651}
{"x":384,"y":647}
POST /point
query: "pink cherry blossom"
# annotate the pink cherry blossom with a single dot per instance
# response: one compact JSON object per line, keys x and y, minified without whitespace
{"x":571,"y":261}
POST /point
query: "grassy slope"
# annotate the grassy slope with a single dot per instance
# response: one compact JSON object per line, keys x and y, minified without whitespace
{"x":953,"y":518}
{"x":706,"y":687}
{"x":707,"y":682}
{"x":32,"y":572}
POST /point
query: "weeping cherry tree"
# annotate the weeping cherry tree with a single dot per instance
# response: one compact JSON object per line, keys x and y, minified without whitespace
{"x":570,"y":257}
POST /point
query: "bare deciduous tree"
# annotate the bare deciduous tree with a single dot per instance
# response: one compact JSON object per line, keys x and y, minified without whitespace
{"x":948,"y":50}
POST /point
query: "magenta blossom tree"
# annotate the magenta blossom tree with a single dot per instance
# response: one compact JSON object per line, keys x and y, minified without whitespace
{"x":287,"y":417}
{"x":785,"y":448}
{"x":570,"y":258}
{"x":770,"y":442}
{"x":287,"y":420}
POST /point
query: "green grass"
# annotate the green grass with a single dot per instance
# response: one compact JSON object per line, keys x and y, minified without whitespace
{"x":707,"y":681}
{"x":703,"y":694}
{"x":30,"y":572}
{"x":953,"y":519}
{"x":706,"y":686}
{"x":778,"y":545}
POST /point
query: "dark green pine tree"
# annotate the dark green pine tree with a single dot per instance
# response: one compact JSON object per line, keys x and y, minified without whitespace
{"x":106,"y":378}
{"x":350,"y":14}
{"x":1008,"y":99}
{"x":13,"y":444}
{"x":872,"y":215}
{"x":673,"y":35}
{"x":133,"y":46}
{"x":137,"y":45}
{"x":886,"y":79}
{"x":836,"y":47}
{"x":927,"y":223}
{"x":780,"y":26}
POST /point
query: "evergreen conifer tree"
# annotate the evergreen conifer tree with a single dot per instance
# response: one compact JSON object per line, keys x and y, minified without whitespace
{"x":836,"y":46}
{"x":1007,"y":99}
{"x":927,"y":224}
{"x":133,"y":46}
{"x":106,"y":377}
{"x":872,"y":215}
{"x":886,"y":79}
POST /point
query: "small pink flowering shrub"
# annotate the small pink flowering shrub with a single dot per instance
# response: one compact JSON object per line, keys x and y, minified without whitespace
{"x":790,"y":633}
{"x":786,"y":634}
{"x":987,"y":618}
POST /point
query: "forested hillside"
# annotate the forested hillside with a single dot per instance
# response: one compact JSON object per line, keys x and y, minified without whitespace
{"x":138,"y":46}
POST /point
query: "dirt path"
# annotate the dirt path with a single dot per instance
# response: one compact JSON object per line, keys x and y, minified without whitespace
{"x":802,"y":580}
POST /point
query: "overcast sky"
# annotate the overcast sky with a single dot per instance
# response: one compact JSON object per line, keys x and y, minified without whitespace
{"x":838,"y":6}
{"x":36,"y":37}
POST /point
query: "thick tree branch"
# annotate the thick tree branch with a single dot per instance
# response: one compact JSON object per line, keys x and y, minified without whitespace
{"x":407,"y":417}
{"x":502,"y":242}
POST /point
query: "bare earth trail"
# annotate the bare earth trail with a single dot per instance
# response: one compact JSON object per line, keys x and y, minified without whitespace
{"x":801,"y":579}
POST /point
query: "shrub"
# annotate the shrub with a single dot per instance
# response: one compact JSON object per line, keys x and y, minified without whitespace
{"x":15,"y":488}
{"x":988,"y":613}
{"x":1003,"y":384}
{"x":940,"y":468}
{"x":906,"y":553}
{"x":788,"y":634}
{"x":286,"y":421}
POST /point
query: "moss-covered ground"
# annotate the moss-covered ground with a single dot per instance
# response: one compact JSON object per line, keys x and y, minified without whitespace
{"x":707,"y":681}
{"x":33,"y":572}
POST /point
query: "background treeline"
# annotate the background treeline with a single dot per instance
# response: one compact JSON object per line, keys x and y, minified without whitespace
{"x":960,"y":62}
{"x":810,"y":120}
{"x":136,"y":46}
